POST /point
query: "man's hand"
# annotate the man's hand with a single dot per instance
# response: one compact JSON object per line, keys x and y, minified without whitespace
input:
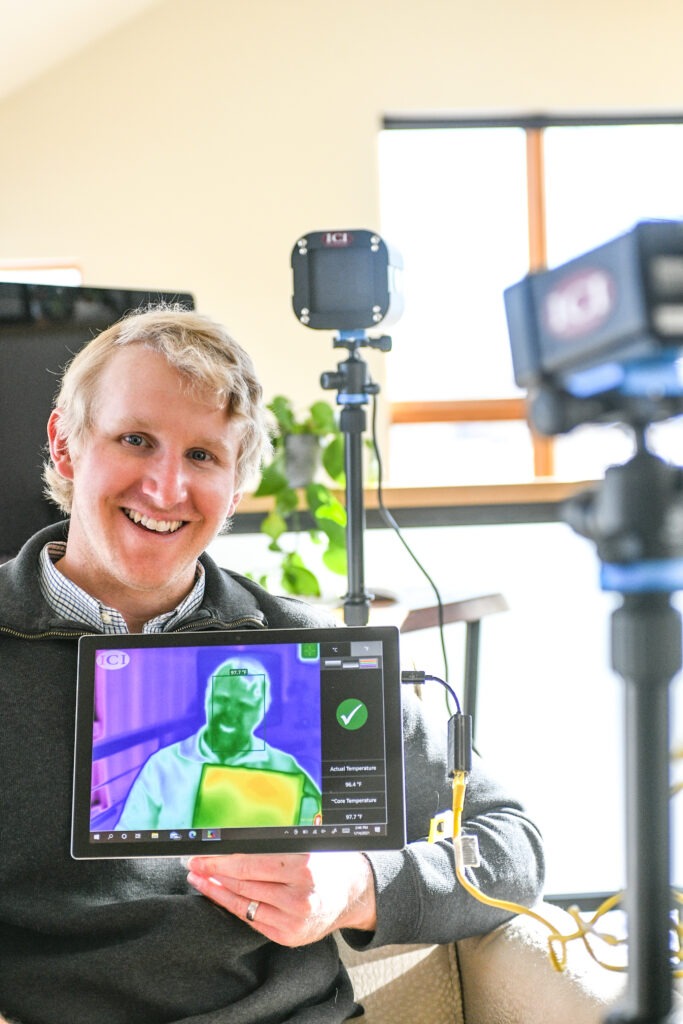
{"x":292,"y":899}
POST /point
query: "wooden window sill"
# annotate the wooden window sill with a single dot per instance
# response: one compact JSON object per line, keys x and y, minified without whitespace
{"x":466,"y":504}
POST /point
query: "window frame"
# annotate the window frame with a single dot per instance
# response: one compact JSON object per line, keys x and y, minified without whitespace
{"x":493,"y":409}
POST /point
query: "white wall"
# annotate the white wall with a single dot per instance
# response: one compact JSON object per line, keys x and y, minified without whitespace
{"x":190,"y":148}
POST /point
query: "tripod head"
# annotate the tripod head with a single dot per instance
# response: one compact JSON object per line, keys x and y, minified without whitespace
{"x":353,"y":340}
{"x":635,"y":519}
{"x":352,"y":380}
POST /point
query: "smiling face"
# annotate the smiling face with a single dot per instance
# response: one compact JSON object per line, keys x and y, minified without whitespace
{"x":235,"y":705}
{"x":153,"y":482}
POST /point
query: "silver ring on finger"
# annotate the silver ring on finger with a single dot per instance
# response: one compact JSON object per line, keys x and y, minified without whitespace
{"x":251,"y":910}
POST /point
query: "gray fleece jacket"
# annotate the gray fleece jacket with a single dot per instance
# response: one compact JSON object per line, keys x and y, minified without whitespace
{"x":128,"y":941}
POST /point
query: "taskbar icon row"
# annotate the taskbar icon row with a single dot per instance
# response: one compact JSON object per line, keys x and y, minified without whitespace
{"x":203,"y":834}
{"x":208,"y":835}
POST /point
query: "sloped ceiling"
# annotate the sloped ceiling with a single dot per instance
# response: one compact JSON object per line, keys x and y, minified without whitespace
{"x":36,"y":35}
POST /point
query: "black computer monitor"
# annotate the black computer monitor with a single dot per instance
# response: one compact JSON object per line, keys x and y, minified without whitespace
{"x":41,"y":329}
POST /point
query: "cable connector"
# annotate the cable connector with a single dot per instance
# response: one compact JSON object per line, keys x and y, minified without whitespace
{"x":459,"y":744}
{"x":418,"y":677}
{"x":413,"y":675}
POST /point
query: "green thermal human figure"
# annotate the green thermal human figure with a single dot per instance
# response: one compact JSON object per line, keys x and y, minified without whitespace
{"x":224,"y":776}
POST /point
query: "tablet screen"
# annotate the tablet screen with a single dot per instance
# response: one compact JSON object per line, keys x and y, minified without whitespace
{"x":258,"y":740}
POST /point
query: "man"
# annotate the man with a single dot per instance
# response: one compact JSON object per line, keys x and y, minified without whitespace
{"x":224,"y":776}
{"x":157,"y":427}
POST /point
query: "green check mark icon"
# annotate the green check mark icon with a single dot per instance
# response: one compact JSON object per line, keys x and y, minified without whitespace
{"x":352,"y":713}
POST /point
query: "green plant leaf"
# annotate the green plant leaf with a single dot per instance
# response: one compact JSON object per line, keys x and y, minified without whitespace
{"x":335,"y":559}
{"x":283,"y":412}
{"x":286,"y":501}
{"x":322,"y":420}
{"x":332,"y":528}
{"x":336,"y":535}
{"x":272,"y":481}
{"x":333,"y":459}
{"x":297,"y":579}
{"x":330,"y":512}
{"x":327,"y":513}
{"x":318,"y":496}
{"x":274,"y":525}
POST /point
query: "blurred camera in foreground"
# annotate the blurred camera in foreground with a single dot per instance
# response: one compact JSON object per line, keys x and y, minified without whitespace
{"x":599,"y":339}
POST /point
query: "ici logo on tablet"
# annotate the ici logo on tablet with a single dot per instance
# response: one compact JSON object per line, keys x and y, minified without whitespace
{"x":112,"y":659}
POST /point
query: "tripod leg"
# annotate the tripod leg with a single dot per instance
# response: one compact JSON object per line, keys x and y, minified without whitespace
{"x":357,"y":601}
{"x":646,"y":639}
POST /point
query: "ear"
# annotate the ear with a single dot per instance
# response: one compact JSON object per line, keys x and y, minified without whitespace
{"x":236,"y":499}
{"x":59,"y":446}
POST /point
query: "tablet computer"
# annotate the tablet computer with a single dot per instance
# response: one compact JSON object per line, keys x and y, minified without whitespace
{"x":252,"y":741}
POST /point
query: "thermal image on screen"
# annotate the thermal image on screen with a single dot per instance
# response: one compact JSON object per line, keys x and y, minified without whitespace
{"x":206,"y":737}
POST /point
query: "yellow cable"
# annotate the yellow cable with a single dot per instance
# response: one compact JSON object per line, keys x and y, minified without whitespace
{"x":459,"y":787}
{"x":584,"y":929}
{"x":556,"y":938}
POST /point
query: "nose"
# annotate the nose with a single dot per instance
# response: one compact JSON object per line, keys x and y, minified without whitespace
{"x":166,"y":480}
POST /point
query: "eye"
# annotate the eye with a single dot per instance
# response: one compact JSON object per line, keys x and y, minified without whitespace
{"x":134,"y":440}
{"x":200,"y":455}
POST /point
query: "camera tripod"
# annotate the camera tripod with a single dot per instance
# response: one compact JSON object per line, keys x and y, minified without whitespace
{"x":354,"y":385}
{"x":635,"y":518}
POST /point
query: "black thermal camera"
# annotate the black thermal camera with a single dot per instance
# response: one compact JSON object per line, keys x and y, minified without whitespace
{"x":345,"y":281}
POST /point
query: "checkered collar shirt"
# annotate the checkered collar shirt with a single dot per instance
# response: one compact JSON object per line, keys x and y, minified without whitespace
{"x":71,"y":602}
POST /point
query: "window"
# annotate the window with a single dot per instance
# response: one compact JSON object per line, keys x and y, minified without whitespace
{"x":472,"y":206}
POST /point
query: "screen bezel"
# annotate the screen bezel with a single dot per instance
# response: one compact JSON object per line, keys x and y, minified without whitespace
{"x":394,"y":838}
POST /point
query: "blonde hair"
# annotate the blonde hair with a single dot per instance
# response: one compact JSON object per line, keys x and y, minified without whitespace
{"x":199,"y":349}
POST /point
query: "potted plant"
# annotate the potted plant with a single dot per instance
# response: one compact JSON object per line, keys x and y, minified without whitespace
{"x":308,"y":460}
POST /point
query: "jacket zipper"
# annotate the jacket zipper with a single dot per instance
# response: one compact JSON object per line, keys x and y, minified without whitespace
{"x":187,"y":627}
{"x":197,"y":626}
{"x":63,"y":635}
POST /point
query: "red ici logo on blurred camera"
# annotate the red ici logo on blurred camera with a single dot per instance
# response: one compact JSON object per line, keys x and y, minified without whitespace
{"x":579,"y":304}
{"x":112,"y":659}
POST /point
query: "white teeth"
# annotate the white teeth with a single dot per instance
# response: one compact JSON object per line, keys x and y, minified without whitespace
{"x":157,"y":525}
